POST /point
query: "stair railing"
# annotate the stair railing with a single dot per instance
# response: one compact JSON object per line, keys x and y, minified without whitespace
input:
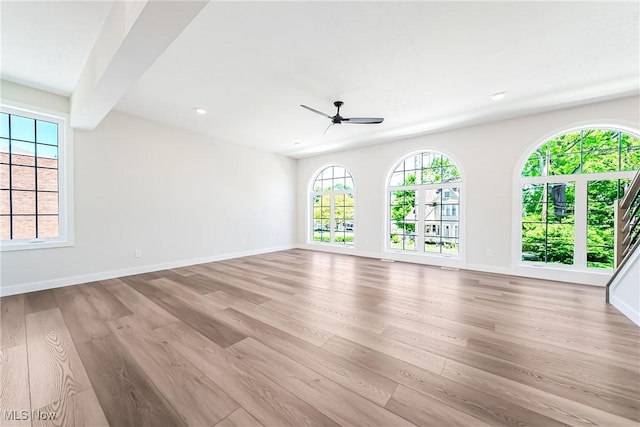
{"x":627,"y":219}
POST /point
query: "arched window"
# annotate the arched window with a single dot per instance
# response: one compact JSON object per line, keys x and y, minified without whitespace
{"x":332,"y":204}
{"x":568,"y":188}
{"x":424,"y":205}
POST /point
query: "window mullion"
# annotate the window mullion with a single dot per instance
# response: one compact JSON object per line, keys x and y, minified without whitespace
{"x":332,"y":217}
{"x":35,"y":160}
{"x":420,"y":198}
{"x":10,"y":183}
{"x":580,"y":223}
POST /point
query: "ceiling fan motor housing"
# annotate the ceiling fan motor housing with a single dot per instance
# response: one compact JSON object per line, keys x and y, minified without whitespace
{"x":337,"y":119}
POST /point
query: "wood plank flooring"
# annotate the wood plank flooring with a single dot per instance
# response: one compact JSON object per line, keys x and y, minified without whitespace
{"x":303,"y":338}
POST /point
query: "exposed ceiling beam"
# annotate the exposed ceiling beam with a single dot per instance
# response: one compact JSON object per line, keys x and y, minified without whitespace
{"x":134,"y":35}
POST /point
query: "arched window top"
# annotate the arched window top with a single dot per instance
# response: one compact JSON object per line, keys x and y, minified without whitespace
{"x":584,"y":151}
{"x":425,"y":168}
{"x":333,"y":178}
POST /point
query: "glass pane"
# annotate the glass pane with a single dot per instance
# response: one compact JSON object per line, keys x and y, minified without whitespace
{"x":560,"y":202}
{"x":327,"y":174}
{"x":404,"y":216}
{"x":595,"y":161}
{"x":23,"y":202}
{"x":560,"y":243}
{"x":601,"y":139}
{"x":4,"y":202}
{"x":627,"y":141}
{"x":430,"y":160}
{"x":348,"y":183}
{"x":4,"y":150}
{"x":601,"y":197}
{"x":343,"y":214}
{"x":47,"y":203}
{"x":397,"y":179}
{"x":348,"y":200}
{"x":564,"y":164}
{"x":450,"y":174}
{"x":395,"y":241}
{"x":547,"y":222}
{"x":630,"y":159}
{"x":432,"y":244}
{"x":432,"y":196}
{"x":339,"y":172}
{"x":47,"y":156}
{"x":23,"y":178}
{"x":338,"y":183}
{"x":317,"y":185}
{"x":46,"y":132}
{"x":409,"y":178}
{"x":532,"y":203}
{"x":535,"y":165}
{"x":23,"y":153}
{"x":4,"y":176}
{"x":4,"y":125}
{"x":413,"y":163}
{"x":23,"y":128}
{"x":47,"y":180}
{"x":47,"y":226}
{"x":326,"y":184}
{"x":592,"y":139}
{"x":450,"y":246}
{"x":563,"y":144}
{"x":5,"y":227}
{"x":24,"y":227}
{"x":409,"y":243}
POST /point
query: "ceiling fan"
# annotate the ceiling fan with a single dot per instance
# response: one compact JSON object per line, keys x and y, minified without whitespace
{"x":338,"y":119}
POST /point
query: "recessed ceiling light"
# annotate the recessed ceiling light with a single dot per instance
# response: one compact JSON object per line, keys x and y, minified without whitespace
{"x":200,"y":110}
{"x":498,"y":96}
{"x":296,"y":143}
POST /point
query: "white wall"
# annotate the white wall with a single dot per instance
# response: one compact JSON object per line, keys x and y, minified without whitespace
{"x":489,"y":156}
{"x":624,"y":292}
{"x":178,"y":196}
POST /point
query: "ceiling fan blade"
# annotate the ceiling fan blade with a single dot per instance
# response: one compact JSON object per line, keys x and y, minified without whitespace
{"x":325,"y":131}
{"x":364,"y":120}
{"x":316,"y":111}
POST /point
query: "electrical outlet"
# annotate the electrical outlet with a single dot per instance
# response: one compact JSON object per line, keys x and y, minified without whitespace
{"x":137,"y":253}
{"x":489,"y":252}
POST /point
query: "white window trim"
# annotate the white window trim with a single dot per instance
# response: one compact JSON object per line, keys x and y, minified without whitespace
{"x":519,"y":181}
{"x":420,"y":188}
{"x":65,"y":180}
{"x":332,"y":194}
{"x":580,"y":221}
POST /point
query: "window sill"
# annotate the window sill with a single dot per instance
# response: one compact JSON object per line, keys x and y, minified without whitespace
{"x":565,"y":267}
{"x":333,"y":245}
{"x":426,"y":254}
{"x":25,"y":245}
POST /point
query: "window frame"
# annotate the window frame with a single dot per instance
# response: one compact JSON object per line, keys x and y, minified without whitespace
{"x":581,"y":181}
{"x":65,"y":236}
{"x":332,"y":196}
{"x":420,"y":191}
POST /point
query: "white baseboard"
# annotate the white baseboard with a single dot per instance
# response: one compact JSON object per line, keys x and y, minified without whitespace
{"x":625,"y":309}
{"x":544,"y":273}
{"x":86,"y":278}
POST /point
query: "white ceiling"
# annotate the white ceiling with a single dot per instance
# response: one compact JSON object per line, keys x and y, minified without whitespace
{"x":423,"y":66}
{"x":45,"y":44}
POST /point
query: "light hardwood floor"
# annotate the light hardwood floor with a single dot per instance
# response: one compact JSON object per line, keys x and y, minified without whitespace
{"x":310,"y":338}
